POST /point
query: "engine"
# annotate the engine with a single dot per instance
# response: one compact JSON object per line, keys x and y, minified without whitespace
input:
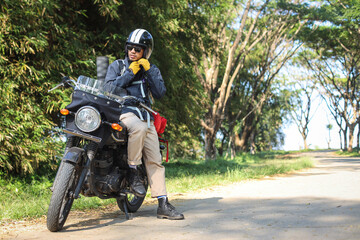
{"x":107,"y":177}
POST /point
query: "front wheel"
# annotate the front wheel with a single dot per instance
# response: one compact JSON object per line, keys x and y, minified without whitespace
{"x":62,"y":197}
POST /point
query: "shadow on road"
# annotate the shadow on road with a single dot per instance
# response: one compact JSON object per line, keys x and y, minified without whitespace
{"x":98,"y":221}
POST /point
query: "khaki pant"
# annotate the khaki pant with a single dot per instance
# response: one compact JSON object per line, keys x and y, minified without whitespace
{"x":143,"y":142}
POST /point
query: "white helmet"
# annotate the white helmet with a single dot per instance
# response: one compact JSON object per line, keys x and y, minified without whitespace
{"x":142,"y":38}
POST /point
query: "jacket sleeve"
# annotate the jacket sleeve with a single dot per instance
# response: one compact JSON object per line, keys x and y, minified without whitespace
{"x":156,"y":82}
{"x":114,"y":79}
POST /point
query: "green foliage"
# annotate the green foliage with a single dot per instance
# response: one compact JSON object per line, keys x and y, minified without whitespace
{"x":273,"y":116}
{"x":35,"y":51}
{"x":22,"y":39}
{"x":23,"y":198}
{"x":167,"y":21}
{"x":40,"y":41}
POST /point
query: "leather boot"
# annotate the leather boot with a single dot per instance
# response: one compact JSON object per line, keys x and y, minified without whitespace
{"x":136,"y":182}
{"x":166,"y":210}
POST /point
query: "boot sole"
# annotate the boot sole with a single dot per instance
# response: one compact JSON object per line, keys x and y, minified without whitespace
{"x":170,"y":218}
{"x":137,"y":194}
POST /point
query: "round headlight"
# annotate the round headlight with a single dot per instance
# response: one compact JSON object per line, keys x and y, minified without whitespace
{"x":87,"y":119}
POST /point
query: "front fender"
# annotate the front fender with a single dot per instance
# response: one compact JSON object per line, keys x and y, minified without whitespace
{"x":73,"y":155}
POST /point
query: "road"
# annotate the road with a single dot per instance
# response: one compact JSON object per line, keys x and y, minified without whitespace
{"x":319,"y":203}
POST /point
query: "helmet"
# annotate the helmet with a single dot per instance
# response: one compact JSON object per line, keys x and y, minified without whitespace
{"x":142,"y":38}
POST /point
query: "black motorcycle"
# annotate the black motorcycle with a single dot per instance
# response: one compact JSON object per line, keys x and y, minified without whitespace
{"x":95,"y":158}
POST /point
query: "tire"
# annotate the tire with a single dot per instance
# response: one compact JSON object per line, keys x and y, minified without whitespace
{"x":133,"y":203}
{"x":72,"y":141}
{"x":61,"y":199}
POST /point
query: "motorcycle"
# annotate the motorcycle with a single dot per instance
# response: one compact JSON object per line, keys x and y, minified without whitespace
{"x":95,"y":157}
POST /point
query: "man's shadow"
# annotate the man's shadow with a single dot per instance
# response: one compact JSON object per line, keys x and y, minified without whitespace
{"x":106,"y":219}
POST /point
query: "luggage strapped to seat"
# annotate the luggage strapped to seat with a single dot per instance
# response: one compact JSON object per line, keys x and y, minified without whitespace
{"x":160,"y":124}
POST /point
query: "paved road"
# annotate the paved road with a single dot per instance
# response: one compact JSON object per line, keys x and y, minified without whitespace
{"x":321,"y":203}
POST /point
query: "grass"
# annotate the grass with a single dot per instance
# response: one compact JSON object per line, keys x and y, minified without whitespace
{"x":354,"y":153}
{"x":30,"y":198}
{"x":190,"y":175}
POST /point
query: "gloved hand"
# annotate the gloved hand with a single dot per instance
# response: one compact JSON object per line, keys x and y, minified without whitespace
{"x":135,"y":67}
{"x":145,"y":63}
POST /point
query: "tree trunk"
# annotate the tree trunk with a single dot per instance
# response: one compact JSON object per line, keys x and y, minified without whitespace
{"x":351,"y":137}
{"x":345,"y":138}
{"x":243,"y":143}
{"x":358,"y":137}
{"x":252,"y":143}
{"x":210,"y":149}
{"x":305,"y":144}
{"x":231,"y":146}
{"x":221,"y":148}
{"x":341,"y":145}
{"x":304,"y":139}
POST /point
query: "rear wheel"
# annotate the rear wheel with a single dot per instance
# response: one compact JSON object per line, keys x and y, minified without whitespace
{"x":62,"y":197}
{"x":133,"y":202}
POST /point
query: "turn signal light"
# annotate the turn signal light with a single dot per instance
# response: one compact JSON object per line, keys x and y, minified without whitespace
{"x":64,"y":112}
{"x":116,"y":127}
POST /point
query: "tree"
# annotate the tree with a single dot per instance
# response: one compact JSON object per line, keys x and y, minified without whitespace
{"x":169,"y":22}
{"x":41,"y":40}
{"x":233,"y":32}
{"x":32,"y":39}
{"x":301,"y":114}
{"x":334,"y":56}
{"x":336,"y":63}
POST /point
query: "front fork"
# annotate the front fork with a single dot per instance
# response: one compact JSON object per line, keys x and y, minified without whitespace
{"x":90,"y":155}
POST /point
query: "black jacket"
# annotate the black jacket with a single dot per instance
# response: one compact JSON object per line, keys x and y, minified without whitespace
{"x":151,"y":81}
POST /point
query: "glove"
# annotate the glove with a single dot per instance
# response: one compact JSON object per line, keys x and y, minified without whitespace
{"x":135,"y":67}
{"x":145,"y":63}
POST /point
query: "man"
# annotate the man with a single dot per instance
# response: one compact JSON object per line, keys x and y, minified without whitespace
{"x":139,"y":78}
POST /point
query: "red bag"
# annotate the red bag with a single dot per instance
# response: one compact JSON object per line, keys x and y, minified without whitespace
{"x":160,"y":125}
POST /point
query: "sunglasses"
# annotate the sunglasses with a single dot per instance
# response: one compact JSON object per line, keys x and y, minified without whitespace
{"x":131,"y":47}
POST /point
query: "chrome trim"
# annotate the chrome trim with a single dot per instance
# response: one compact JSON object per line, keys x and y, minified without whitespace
{"x":117,"y":139}
{"x":83,"y":135}
{"x":97,"y":113}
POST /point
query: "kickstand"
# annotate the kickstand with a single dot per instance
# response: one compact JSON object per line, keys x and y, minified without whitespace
{"x":126,"y":211}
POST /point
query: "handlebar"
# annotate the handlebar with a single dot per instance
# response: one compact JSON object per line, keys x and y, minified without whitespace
{"x":147,"y":108}
{"x":140,"y":103}
{"x":65,"y":82}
